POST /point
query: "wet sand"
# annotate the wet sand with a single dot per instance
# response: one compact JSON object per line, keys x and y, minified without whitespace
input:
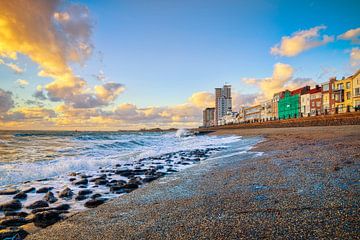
{"x":305,"y":185}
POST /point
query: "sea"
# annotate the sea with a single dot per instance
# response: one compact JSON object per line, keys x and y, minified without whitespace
{"x":49,"y":158}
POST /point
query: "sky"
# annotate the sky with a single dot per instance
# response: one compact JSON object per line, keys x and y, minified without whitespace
{"x":109,"y":65}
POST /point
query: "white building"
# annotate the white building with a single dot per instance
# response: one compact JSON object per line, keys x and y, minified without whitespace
{"x":267,"y":110}
{"x":305,"y":104}
{"x":223,"y":102}
{"x":229,"y":118}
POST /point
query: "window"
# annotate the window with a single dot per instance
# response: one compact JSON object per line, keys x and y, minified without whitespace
{"x":325,"y":87}
{"x":340,"y":86}
{"x":348,"y":95}
{"x":357,"y":91}
{"x":318,"y":104}
{"x":348,"y":85}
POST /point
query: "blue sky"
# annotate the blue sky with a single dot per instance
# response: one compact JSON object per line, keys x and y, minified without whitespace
{"x":162,"y":52}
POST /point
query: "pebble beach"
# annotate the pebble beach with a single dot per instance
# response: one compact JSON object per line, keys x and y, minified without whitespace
{"x":296,"y":183}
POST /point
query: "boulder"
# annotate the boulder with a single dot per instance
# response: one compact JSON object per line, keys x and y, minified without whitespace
{"x":9,"y":191}
{"x":13,"y":221}
{"x":101,"y":181}
{"x":82,"y":181}
{"x":29,"y":189}
{"x":62,"y":207}
{"x":96,"y":195}
{"x":12,"y":205}
{"x":81,"y":197}
{"x":49,"y":197}
{"x":20,"y":195}
{"x":38,"y":204}
{"x":66,"y":193}
{"x":12,"y":232}
{"x":93,"y":203}
{"x":47,"y":218}
{"x":85,"y":192}
{"x":44,"y":189}
{"x":13,"y":213}
{"x":131,"y":186}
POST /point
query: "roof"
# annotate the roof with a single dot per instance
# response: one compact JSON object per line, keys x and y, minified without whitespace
{"x":315,"y":90}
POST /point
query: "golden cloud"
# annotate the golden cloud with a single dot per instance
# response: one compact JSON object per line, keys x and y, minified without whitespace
{"x":352,"y":34}
{"x":355,"y":57}
{"x":300,"y":41}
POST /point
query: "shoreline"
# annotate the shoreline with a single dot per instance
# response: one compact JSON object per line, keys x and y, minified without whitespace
{"x":305,"y":185}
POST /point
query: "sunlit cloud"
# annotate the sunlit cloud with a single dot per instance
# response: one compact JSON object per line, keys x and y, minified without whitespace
{"x":355,"y":57}
{"x":6,"y":101}
{"x":22,"y":83}
{"x":352,"y":34}
{"x":15,"y":68}
{"x":301,"y":41}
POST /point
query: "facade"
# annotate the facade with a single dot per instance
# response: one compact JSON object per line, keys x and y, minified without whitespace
{"x":305,"y":105}
{"x":356,"y":90}
{"x":342,"y":92}
{"x":266,"y":110}
{"x":223,"y":102}
{"x":315,"y":101}
{"x":252,"y":113}
{"x":208,"y":117}
{"x":328,"y":98}
{"x":289,"y":106}
{"x":229,"y":118}
{"x":275,"y":100}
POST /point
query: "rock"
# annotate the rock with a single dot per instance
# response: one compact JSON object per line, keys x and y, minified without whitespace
{"x":38,"y":204}
{"x":66,"y":193}
{"x":44,"y":189}
{"x":47,"y":218}
{"x":72,"y":174}
{"x":124,"y":173}
{"x":49,"y":197}
{"x":12,"y":213}
{"x":85,"y":176}
{"x":93,"y":203}
{"x":12,"y":205}
{"x":172,"y":170}
{"x":131,"y":186}
{"x":116,"y":188}
{"x":20,"y":195}
{"x":96,"y":195}
{"x":9,"y":191}
{"x":85,"y":192}
{"x":148,"y":179}
{"x":13,"y":221}
{"x":101,"y":181}
{"x":11,"y":233}
{"x":29,"y":189}
{"x":83,"y":181}
{"x":81,"y":197}
{"x":61,"y":207}
{"x":72,"y":179}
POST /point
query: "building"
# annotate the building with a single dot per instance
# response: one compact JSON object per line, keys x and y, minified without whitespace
{"x":328,"y":98}
{"x":223,"y":102}
{"x":209,"y":117}
{"x":266,"y":110}
{"x":315,"y":101}
{"x":342,"y":92}
{"x":289,"y":106}
{"x":275,"y":100}
{"x":230,"y":118}
{"x":253,"y":113}
{"x":356,"y":90}
{"x":305,"y":105}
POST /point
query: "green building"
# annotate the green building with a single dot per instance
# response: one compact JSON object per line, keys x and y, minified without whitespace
{"x":289,"y":105}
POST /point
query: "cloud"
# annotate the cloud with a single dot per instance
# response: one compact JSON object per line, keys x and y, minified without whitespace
{"x":29,"y":114}
{"x":352,"y":34}
{"x":6,"y":101}
{"x":16,"y":69}
{"x":108,"y":92}
{"x":202,"y":99}
{"x":39,"y":93}
{"x":301,"y":41}
{"x":22,"y":83}
{"x":281,"y":79}
{"x":58,"y":36}
{"x":100,"y":76}
{"x":355,"y":57}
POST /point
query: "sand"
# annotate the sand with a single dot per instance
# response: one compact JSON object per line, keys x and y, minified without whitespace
{"x":305,"y":185}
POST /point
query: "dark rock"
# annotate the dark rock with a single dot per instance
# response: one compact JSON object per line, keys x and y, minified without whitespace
{"x":13,"y":213}
{"x":38,"y":204}
{"x":96,"y":195}
{"x":49,"y":197}
{"x":13,"y":221}
{"x":66,"y":193}
{"x":20,"y":195}
{"x":85,"y":176}
{"x":61,"y":207}
{"x":10,"y":191}
{"x":94,"y":202}
{"x":84,"y":192}
{"x":124,"y":173}
{"x":116,"y":188}
{"x":148,"y":179}
{"x":101,"y":181}
{"x":29,"y":189}
{"x":47,"y":218}
{"x":72,"y":179}
{"x":44,"y":189}
{"x":172,"y":170}
{"x":12,"y":232}
{"x":12,"y":205}
{"x":83,"y":181}
{"x":72,"y":174}
{"x":81,"y":197}
{"x":131,"y":186}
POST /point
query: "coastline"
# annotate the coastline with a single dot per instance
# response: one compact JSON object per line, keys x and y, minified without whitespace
{"x":305,"y":185}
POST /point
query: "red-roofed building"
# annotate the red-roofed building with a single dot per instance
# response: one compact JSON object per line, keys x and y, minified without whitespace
{"x":315,"y":100}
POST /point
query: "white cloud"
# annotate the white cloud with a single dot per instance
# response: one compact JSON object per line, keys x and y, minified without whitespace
{"x":301,"y":41}
{"x":355,"y":57}
{"x":22,"y":82}
{"x":352,"y":34}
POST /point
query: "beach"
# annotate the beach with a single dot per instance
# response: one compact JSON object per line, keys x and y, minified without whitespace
{"x":304,"y":185}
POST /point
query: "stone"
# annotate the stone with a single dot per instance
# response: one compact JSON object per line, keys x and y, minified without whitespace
{"x":47,"y":218}
{"x":20,"y":195}
{"x":81,"y":197}
{"x":93,"y":203}
{"x":12,"y":205}
{"x":66,"y":193}
{"x":11,"y":233}
{"x":85,"y":192}
{"x":148,"y":179}
{"x":49,"y":197}
{"x":101,"y":181}
{"x":62,"y":207}
{"x":9,"y":191}
{"x":44,"y":189}
{"x":38,"y":204}
{"x":82,"y":181}
{"x":13,"y":213}
{"x":131,"y":186}
{"x":172,"y":170}
{"x":13,"y":221}
{"x":29,"y":189}
{"x":96,"y":195}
